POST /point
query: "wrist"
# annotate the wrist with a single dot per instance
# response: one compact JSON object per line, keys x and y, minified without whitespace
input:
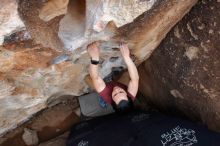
{"x":127,"y":58}
{"x":94,"y":58}
{"x":94,"y":61}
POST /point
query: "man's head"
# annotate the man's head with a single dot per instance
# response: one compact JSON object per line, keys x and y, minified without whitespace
{"x":120,"y":99}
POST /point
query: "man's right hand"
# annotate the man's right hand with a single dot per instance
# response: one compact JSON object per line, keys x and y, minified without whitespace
{"x":93,"y":50}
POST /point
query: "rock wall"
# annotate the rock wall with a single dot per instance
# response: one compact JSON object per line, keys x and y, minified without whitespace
{"x":55,"y":62}
{"x":28,"y":82}
{"x":183,"y":72}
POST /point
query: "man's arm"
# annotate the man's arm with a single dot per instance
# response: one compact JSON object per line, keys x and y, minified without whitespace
{"x":98,"y":82}
{"x":132,"y":70}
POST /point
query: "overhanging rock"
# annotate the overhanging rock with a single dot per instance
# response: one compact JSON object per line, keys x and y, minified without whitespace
{"x":86,"y":21}
{"x":183,"y":73}
{"x":28,"y":77}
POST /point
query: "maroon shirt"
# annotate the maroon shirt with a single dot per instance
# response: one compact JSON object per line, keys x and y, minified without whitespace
{"x":106,"y":93}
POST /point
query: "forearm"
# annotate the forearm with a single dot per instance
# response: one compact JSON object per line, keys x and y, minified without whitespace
{"x":98,"y":82}
{"x":93,"y":71}
{"x":132,"y":69}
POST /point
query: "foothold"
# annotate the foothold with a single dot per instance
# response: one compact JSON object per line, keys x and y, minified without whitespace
{"x":113,"y":59}
{"x":115,"y":49}
{"x":195,"y":36}
{"x":192,"y":52}
{"x":177,"y":32}
{"x":59,"y":59}
{"x":176,"y":94}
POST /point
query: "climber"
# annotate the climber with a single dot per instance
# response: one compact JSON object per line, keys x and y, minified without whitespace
{"x":120,"y":96}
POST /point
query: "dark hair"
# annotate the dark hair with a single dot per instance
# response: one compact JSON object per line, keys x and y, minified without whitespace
{"x":123,"y":106}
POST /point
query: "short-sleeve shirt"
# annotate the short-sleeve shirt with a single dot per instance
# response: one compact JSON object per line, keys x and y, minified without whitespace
{"x":106,"y":93}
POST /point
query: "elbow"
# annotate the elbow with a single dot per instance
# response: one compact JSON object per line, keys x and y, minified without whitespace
{"x":137,"y":78}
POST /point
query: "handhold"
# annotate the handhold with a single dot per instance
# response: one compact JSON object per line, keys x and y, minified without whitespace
{"x":60,"y":59}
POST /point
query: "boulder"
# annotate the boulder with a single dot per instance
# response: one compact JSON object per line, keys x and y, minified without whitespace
{"x":183,"y":72}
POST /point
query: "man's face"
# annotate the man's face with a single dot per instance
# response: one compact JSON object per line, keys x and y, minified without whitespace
{"x":119,"y":94}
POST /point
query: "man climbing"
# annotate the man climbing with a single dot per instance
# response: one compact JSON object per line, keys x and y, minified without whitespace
{"x":118,"y":95}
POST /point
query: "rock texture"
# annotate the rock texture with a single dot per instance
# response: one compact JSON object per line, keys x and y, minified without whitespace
{"x":30,"y":137}
{"x":183,"y":73}
{"x":27,"y":81}
{"x":58,"y":141}
{"x":85,"y":20}
{"x":99,"y":13}
{"x":53,"y":8}
{"x":54,"y":63}
{"x":48,"y":124}
{"x":10,"y":21}
{"x":44,"y":33}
